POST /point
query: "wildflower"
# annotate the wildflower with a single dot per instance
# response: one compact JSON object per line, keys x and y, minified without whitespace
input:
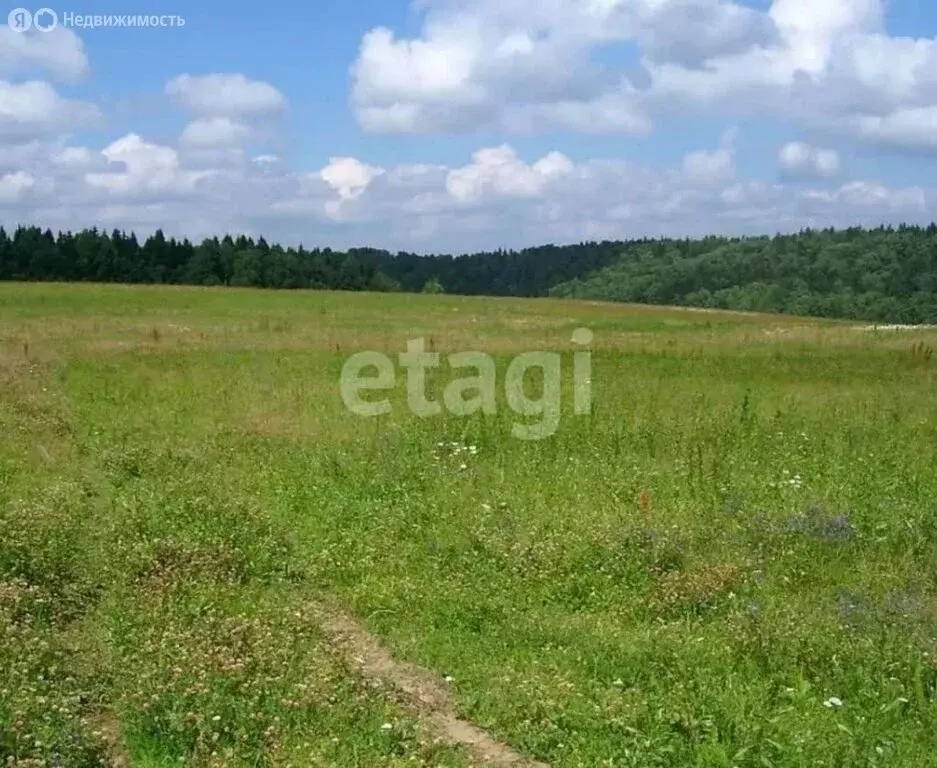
{"x":387,"y":727}
{"x":833,"y":701}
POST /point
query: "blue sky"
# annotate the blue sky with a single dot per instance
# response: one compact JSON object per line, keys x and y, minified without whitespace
{"x":456,"y":124}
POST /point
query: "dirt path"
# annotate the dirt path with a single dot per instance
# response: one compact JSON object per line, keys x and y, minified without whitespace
{"x":107,"y":724}
{"x":423,"y":691}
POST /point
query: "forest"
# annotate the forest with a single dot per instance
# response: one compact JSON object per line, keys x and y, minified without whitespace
{"x":887,"y":274}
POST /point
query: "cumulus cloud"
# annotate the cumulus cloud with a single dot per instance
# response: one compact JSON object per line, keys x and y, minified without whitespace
{"x":32,"y":112}
{"x":523,"y":67}
{"x":60,"y":52}
{"x":230,"y":95}
{"x":496,"y":198}
{"x":73,"y":157}
{"x":34,"y":109}
{"x":349,"y":179}
{"x":800,"y":161}
{"x":499,"y":173}
{"x":492,"y":65}
{"x":14,"y":185}
{"x":146,"y":169}
{"x":214,"y":132}
{"x":531,"y":66}
{"x":709,"y":166}
{"x":515,"y":67}
{"x":874,"y":196}
{"x":712,"y":166}
{"x":690,"y":32}
{"x":913,"y":129}
{"x":22,"y":154}
{"x":834,"y":68}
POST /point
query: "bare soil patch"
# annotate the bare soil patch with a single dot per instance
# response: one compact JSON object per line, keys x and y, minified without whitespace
{"x":420,"y":689}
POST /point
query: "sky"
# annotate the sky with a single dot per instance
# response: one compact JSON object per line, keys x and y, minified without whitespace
{"x":459,"y":125}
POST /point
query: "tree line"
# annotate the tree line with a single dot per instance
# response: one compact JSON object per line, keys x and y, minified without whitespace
{"x":886,"y":274}
{"x":117,"y":257}
{"x":32,"y":254}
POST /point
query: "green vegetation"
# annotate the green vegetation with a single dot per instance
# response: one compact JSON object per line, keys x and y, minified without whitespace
{"x":885,"y":275}
{"x":434,"y":287}
{"x":731,"y":562}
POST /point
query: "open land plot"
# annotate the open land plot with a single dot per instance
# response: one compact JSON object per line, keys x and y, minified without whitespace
{"x":732,"y":561}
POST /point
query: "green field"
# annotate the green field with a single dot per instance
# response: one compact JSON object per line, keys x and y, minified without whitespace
{"x":731,"y":562}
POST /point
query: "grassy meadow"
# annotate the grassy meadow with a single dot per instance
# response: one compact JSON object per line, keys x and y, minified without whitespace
{"x":731,"y":562}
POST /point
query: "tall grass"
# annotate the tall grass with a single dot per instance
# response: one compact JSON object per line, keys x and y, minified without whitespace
{"x":731,"y":562}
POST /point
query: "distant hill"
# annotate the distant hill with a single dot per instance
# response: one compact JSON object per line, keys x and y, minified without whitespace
{"x":886,"y":275}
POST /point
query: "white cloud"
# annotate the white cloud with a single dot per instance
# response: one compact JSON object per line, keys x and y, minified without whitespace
{"x":349,"y":179}
{"x":225,"y":95}
{"x":14,"y":185}
{"x":73,"y":157}
{"x":617,"y":111}
{"x":690,"y":32}
{"x":529,"y":66}
{"x":486,"y":64}
{"x":500,"y":173}
{"x":522,"y":67}
{"x":876,"y":197}
{"x":513,"y":66}
{"x":495,"y":199}
{"x":402,"y":69}
{"x":500,"y":200}
{"x":34,"y":109}
{"x":23,"y":154}
{"x":266,"y":160}
{"x":147,"y":169}
{"x":214,"y":132}
{"x":709,"y":166}
{"x":834,"y":69}
{"x":712,"y":167}
{"x":811,"y":28}
{"x":59,"y":52}
{"x":801,"y":161}
{"x":912,"y":128}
